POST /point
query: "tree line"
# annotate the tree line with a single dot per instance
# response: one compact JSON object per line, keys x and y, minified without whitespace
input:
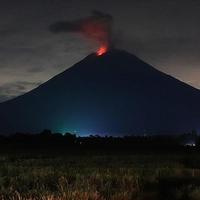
{"x":47,"y":139}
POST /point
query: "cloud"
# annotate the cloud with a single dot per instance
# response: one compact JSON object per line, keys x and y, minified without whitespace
{"x":36,"y":69}
{"x":11,"y":90}
{"x":7,"y":32}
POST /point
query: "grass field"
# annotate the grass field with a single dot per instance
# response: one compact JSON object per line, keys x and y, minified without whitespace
{"x":60,"y":176}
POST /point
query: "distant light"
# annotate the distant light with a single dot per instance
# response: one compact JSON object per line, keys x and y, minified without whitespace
{"x":190,"y":144}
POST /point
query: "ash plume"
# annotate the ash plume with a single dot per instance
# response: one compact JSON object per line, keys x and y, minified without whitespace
{"x":98,"y":27}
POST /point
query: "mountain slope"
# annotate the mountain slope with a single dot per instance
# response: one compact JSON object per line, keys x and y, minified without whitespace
{"x":116,"y":93}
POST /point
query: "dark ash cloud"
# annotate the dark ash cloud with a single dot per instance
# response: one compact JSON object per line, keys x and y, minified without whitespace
{"x":97,"y":27}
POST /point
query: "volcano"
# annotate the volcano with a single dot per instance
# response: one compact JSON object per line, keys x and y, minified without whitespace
{"x":115,"y":94}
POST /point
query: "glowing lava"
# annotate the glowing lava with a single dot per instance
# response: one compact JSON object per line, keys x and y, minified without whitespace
{"x":102,"y":50}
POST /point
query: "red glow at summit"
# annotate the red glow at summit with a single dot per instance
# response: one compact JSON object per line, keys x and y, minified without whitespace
{"x":102,"y":50}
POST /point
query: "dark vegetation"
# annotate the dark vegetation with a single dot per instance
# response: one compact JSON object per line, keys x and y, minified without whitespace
{"x":51,"y":166}
{"x":144,"y":143}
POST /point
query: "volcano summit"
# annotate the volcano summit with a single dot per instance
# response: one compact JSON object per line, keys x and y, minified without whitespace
{"x":115,"y":93}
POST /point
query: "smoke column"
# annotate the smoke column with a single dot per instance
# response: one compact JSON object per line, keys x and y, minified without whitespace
{"x":97,"y":27}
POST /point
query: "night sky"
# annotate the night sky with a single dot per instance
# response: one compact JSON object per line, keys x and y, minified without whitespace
{"x":163,"y":33}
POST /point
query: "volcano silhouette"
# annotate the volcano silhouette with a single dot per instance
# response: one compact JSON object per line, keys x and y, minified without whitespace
{"x":116,"y":94}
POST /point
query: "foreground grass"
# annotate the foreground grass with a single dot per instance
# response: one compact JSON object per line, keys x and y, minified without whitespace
{"x":36,"y":176}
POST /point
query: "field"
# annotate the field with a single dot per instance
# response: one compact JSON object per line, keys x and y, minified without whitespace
{"x":57,"y":175}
